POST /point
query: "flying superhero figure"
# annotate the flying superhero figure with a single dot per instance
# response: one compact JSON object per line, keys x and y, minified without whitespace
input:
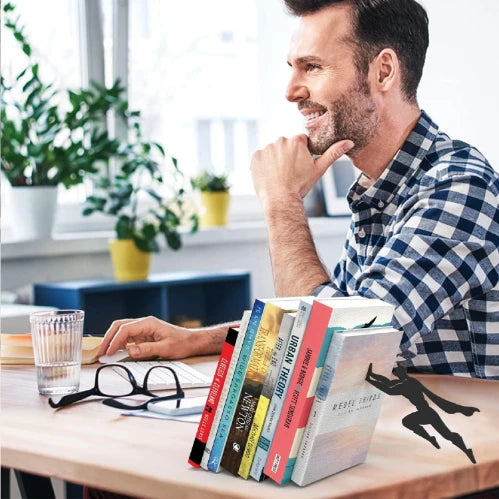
{"x":414,"y":391}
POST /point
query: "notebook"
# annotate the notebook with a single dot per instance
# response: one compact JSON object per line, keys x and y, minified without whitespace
{"x":162,"y":379}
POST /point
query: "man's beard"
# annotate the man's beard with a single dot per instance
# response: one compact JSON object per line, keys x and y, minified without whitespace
{"x":352,"y":116}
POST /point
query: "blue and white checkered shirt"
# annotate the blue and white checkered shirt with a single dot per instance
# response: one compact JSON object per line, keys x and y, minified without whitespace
{"x":425,"y":237}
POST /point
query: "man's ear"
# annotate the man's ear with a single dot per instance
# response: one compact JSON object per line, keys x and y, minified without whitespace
{"x":386,"y":70}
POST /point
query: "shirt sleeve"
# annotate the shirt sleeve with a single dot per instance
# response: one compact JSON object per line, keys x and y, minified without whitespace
{"x":442,"y":252}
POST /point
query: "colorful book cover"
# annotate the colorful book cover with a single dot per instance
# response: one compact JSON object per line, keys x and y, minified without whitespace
{"x":213,"y":399}
{"x":267,"y":390}
{"x":225,"y":390}
{"x":345,"y":314}
{"x":280,"y":390}
{"x":258,"y":366}
{"x":346,"y":407}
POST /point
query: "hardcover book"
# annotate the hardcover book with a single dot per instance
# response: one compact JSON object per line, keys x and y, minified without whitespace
{"x":213,"y":398}
{"x":267,"y":390}
{"x":258,"y":366}
{"x":327,"y":316}
{"x":243,"y":328}
{"x":346,"y":407}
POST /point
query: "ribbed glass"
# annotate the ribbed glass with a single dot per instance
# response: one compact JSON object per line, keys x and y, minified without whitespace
{"x":57,"y":346}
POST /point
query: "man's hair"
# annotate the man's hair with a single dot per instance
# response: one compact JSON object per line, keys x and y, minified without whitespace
{"x":401,"y":25}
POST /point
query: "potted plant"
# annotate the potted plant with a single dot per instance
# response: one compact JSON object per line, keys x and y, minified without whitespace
{"x":215,"y":198}
{"x":144,"y":204}
{"x":49,"y":138}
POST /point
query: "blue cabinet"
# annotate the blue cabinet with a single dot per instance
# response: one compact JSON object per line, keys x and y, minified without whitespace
{"x":209,"y":297}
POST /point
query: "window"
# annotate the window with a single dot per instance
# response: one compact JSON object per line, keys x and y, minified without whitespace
{"x":193,"y":73}
{"x":192,"y":69}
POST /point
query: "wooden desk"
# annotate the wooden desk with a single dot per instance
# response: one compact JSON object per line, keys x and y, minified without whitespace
{"x":93,"y":444}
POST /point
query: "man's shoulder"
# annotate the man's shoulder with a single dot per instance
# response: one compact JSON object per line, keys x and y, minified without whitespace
{"x":448,"y":159}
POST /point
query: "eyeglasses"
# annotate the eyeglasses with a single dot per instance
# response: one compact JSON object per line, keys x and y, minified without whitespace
{"x":106,"y":386}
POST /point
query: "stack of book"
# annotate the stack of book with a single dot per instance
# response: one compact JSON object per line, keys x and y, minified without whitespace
{"x":289,"y":400}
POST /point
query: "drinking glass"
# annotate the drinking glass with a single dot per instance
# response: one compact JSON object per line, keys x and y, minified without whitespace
{"x":57,"y":346}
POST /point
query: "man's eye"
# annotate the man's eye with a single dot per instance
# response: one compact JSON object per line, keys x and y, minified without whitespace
{"x":312,"y":67}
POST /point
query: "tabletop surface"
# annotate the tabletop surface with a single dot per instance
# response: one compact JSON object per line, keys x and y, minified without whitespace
{"x":93,"y":444}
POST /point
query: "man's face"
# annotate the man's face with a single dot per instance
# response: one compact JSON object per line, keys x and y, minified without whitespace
{"x":331,"y":94}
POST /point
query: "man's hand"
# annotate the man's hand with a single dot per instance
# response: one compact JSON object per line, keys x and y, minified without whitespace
{"x":153,"y":336}
{"x":286,"y":169}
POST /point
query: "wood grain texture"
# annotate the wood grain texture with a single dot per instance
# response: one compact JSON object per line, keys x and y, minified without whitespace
{"x":93,"y":444}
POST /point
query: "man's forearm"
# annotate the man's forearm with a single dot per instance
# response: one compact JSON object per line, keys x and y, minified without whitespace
{"x":296,"y":266}
{"x":210,"y":340}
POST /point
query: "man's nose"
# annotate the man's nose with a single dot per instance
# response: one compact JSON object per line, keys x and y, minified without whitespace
{"x":296,"y":91}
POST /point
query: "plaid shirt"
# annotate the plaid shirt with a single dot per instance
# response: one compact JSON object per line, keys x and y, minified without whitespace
{"x":425,"y":237}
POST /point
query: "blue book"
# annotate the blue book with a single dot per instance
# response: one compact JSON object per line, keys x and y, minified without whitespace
{"x":235,"y":388}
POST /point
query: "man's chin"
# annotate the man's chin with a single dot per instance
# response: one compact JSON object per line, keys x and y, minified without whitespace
{"x":317,"y":148}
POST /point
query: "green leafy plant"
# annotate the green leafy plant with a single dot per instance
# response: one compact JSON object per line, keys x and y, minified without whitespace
{"x":51,"y":137}
{"x":133,"y":194}
{"x":209,"y":182}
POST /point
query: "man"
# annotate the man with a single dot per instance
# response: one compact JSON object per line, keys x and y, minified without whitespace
{"x":425,"y":225}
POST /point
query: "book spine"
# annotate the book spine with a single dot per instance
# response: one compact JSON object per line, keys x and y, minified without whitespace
{"x":316,"y":412}
{"x":267,"y":390}
{"x":280,"y":390}
{"x":225,"y":390}
{"x":235,"y":388}
{"x":295,"y":408}
{"x":212,"y":399}
{"x":252,"y":387}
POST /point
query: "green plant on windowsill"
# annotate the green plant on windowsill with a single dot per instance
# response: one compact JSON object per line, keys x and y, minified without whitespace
{"x":51,"y":137}
{"x":145,"y":192}
{"x":210,"y":182}
{"x":215,"y":198}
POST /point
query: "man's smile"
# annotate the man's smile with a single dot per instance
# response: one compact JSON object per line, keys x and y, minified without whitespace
{"x":313,"y":117}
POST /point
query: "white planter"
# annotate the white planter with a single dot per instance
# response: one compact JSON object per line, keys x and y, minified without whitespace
{"x":33,"y":211}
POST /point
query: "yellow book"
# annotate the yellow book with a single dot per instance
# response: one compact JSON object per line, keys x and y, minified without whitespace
{"x":262,"y":407}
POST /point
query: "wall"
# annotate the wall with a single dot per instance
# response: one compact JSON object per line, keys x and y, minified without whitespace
{"x":459,"y":84}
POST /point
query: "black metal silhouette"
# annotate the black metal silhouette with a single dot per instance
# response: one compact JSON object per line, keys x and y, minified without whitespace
{"x":414,"y":391}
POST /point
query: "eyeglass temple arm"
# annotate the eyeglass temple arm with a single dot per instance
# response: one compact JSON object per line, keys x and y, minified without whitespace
{"x":71,"y":398}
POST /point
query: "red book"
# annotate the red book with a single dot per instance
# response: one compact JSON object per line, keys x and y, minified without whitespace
{"x":296,"y":407}
{"x":212,"y":400}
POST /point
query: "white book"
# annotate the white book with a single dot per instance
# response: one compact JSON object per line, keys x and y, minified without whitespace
{"x":225,"y":390}
{"x":346,"y":407}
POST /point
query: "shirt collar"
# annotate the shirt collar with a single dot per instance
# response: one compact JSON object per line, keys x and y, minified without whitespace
{"x":402,"y":167}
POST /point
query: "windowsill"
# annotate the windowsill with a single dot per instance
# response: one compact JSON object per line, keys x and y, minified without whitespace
{"x":97,"y":241}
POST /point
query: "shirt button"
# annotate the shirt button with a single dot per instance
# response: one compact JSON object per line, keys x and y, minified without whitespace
{"x":381,"y":204}
{"x":362,"y":233}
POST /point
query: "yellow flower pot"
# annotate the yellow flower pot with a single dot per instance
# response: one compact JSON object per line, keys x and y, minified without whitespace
{"x":214,"y":209}
{"x":129,"y":263}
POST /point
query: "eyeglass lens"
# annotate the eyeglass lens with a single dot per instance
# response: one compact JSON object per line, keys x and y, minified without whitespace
{"x":111,"y":385}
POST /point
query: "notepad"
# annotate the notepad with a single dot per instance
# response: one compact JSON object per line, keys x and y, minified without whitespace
{"x":162,"y":379}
